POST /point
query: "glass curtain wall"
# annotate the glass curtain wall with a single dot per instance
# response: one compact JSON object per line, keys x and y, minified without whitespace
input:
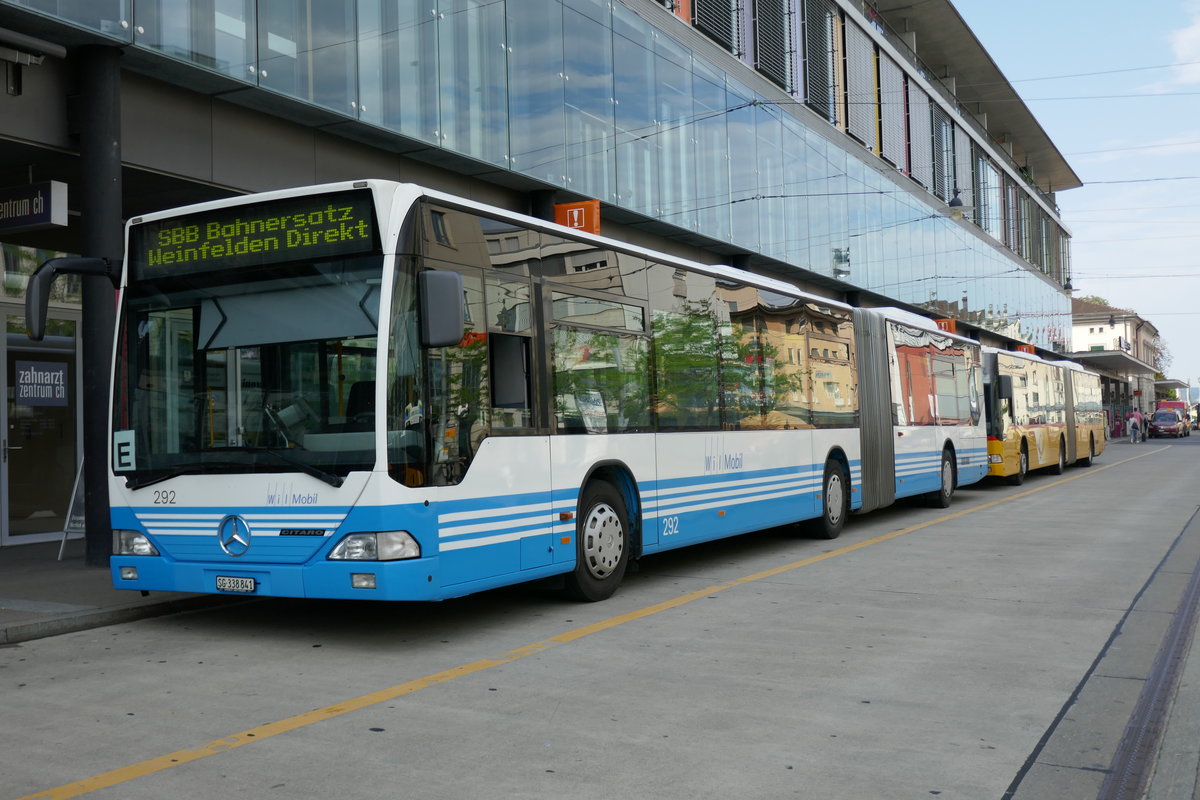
{"x":307,"y":50}
{"x":216,"y":34}
{"x":110,"y":17}
{"x":592,"y":97}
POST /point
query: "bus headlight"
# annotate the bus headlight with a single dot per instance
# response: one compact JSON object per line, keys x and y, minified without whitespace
{"x":132,"y":543}
{"x":378,"y":546}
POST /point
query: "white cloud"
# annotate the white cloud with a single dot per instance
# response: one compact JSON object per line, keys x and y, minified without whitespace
{"x":1185,"y":45}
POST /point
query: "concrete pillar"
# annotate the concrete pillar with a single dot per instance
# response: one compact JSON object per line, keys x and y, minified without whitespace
{"x":99,"y":125}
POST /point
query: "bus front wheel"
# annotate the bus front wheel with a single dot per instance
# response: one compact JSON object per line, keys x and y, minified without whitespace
{"x":601,"y":544}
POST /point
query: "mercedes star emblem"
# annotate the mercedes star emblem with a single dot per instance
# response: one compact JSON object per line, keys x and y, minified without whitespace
{"x":234,"y":535}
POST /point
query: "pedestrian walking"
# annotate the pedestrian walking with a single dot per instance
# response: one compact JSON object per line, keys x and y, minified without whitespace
{"x":1137,"y":431}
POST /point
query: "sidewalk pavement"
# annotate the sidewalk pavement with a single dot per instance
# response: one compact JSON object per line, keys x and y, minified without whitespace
{"x":42,"y":596}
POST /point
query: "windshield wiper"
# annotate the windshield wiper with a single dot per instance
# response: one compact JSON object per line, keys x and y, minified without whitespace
{"x":133,"y":482}
{"x":318,"y":473}
{"x":200,"y":467}
{"x":191,"y":468}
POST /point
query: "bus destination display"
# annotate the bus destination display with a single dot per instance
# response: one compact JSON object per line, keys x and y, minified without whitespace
{"x":294,"y":229}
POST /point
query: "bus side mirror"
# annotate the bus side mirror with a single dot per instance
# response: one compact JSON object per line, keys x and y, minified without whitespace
{"x":440,"y":302}
{"x":1004,"y":388}
{"x":37,"y":291}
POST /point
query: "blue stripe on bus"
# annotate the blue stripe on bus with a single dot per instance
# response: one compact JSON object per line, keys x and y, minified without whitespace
{"x":496,"y":504}
{"x":920,"y":472}
{"x":679,"y":502}
{"x":725,"y":477}
{"x":694,"y":486}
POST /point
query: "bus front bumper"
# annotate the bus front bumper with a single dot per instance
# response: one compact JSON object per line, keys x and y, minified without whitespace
{"x":345,"y":580}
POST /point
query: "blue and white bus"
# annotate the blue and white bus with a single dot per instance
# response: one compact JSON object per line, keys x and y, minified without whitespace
{"x":373,"y":390}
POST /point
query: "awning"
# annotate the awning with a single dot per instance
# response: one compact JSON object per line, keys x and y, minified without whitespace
{"x":1112,"y":361}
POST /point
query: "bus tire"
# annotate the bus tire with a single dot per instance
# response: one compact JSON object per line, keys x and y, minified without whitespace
{"x":1061,"y":466}
{"x":602,"y":544}
{"x":1022,"y":466}
{"x":1087,"y":460}
{"x":835,"y":502}
{"x":944,"y":495}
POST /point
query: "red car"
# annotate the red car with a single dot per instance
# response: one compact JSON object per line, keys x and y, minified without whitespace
{"x":1167,"y":423}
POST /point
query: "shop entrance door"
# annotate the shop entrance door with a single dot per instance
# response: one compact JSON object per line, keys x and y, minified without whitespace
{"x":39,"y":455}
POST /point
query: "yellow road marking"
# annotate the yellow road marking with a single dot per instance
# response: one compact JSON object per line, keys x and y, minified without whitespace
{"x":150,"y":766}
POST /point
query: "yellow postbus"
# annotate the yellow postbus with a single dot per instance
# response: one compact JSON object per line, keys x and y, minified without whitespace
{"x":1087,"y":433}
{"x":1041,"y":414}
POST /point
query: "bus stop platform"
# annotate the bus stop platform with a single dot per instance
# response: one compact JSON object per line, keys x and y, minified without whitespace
{"x":41,"y":595}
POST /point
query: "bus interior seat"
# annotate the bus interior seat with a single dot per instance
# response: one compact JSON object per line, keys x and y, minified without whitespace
{"x":360,"y":405}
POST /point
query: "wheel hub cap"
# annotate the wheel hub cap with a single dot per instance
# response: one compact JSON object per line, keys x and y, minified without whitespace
{"x":834,"y":499}
{"x":603,"y":540}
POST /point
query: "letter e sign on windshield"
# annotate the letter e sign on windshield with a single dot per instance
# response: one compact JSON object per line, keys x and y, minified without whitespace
{"x":123,"y":454}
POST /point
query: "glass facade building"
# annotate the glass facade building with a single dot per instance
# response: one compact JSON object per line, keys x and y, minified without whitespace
{"x":796,"y":131}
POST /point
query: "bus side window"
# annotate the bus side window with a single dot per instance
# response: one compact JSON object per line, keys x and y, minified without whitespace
{"x":459,"y":405}
{"x":510,"y":381}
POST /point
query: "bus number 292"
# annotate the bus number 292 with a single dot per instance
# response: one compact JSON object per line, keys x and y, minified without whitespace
{"x":670,"y":526}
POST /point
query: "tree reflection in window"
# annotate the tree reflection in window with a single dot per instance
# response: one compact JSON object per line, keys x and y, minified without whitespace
{"x":601,"y":381}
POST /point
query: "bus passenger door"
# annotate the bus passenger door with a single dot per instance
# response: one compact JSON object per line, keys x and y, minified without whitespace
{"x":918,"y":436}
{"x":511,"y":367}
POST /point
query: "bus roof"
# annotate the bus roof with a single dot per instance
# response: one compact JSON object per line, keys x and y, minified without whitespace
{"x":1058,"y":362}
{"x":387,"y":192}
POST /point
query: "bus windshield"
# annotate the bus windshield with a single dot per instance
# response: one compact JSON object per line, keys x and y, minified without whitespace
{"x":269,"y":369}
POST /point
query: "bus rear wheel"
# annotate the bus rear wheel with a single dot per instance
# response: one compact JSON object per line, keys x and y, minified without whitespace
{"x":601,"y":544}
{"x":942,"y":497}
{"x":835,"y":502}
{"x":1061,"y":466}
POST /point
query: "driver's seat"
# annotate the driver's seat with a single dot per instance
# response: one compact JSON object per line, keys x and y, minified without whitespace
{"x":360,"y":405}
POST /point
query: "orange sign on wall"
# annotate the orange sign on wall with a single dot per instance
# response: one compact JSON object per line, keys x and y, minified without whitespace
{"x":947,"y":324}
{"x":1026,"y":348}
{"x":584,"y":215}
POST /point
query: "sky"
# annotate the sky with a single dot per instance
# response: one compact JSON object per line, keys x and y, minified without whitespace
{"x":1117,"y":89}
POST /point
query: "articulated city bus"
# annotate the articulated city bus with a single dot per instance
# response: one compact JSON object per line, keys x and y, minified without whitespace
{"x":372,"y":390}
{"x":1041,"y":414}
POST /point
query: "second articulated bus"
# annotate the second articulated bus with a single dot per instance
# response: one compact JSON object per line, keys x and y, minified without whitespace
{"x":1041,"y":414}
{"x":372,"y":390}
